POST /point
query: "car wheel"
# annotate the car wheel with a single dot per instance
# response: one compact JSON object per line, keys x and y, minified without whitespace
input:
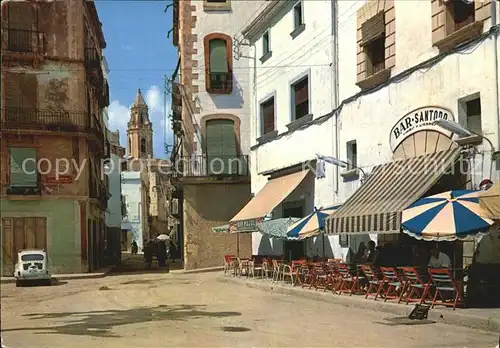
{"x":18,"y":283}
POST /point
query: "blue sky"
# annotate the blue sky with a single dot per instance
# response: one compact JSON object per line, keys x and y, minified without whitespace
{"x":139,"y":55}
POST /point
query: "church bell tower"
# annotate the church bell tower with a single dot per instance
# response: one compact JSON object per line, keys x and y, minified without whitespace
{"x":140,"y":129}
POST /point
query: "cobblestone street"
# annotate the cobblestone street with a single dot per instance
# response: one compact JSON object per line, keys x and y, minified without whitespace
{"x":178,"y":310}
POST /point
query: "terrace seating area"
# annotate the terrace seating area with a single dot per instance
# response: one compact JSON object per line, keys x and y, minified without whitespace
{"x":432,"y":286}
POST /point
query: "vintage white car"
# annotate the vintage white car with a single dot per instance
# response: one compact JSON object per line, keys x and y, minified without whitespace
{"x":32,"y":266}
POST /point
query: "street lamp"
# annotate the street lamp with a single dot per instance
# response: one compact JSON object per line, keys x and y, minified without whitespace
{"x":339,"y":163}
{"x":466,"y":136}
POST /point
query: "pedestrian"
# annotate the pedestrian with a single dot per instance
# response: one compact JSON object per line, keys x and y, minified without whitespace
{"x":162,"y":253}
{"x":134,"y":248}
{"x":148,"y":253}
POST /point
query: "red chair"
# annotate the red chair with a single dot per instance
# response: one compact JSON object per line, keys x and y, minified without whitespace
{"x":392,"y":280}
{"x":346,"y":281}
{"x":413,"y":284}
{"x":444,"y":284}
{"x":373,"y":279}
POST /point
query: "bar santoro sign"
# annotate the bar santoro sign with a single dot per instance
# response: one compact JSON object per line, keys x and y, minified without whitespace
{"x":417,"y":120}
{"x":244,"y":225}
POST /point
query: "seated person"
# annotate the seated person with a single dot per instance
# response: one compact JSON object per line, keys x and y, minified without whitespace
{"x":439,"y":259}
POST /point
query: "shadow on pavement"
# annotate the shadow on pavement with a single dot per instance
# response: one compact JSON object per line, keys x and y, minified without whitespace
{"x":101,"y":323}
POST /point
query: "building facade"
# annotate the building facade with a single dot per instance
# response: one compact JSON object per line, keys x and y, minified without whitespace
{"x":114,"y":212}
{"x":135,"y":225}
{"x":363,"y":83}
{"x":211,"y":123}
{"x":53,"y":136}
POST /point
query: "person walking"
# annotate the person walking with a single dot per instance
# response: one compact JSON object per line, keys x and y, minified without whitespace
{"x":162,"y":253}
{"x":134,"y":248}
{"x":148,"y":253}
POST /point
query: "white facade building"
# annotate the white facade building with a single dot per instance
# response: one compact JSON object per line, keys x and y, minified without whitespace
{"x":351,"y":111}
{"x":136,"y":220}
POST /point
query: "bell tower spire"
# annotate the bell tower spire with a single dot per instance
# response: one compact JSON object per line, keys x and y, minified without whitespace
{"x":140,"y":129}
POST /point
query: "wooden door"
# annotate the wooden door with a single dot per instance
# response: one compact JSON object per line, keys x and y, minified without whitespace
{"x":21,"y":233}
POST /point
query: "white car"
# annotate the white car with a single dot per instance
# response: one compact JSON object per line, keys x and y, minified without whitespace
{"x":31,"y":266}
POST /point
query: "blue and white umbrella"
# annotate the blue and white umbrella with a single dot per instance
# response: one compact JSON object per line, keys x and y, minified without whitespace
{"x":446,"y":216}
{"x":312,"y":224}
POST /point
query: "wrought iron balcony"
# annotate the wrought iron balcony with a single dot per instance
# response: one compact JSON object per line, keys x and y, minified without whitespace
{"x":50,"y":120}
{"x":92,"y":58}
{"x":25,"y":41}
{"x":206,"y":166}
{"x":220,"y":82}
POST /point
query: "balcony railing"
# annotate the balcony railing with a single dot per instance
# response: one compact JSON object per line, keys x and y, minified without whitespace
{"x":92,"y":58}
{"x":25,"y":41}
{"x":206,"y":165}
{"x":38,"y":119}
{"x":220,"y":82}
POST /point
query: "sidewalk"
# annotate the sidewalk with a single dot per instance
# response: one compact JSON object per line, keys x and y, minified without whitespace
{"x":478,"y":318}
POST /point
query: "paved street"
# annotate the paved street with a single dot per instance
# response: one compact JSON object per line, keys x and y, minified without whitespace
{"x":176,"y":310}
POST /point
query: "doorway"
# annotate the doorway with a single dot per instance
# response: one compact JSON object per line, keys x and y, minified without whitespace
{"x":21,"y":233}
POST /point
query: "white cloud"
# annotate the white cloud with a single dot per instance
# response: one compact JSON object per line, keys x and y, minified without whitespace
{"x":154,"y":99}
{"x":118,"y":117}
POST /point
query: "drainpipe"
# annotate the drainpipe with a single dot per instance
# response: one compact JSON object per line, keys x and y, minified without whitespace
{"x":497,"y":83}
{"x":256,"y":101}
{"x":335,"y":85}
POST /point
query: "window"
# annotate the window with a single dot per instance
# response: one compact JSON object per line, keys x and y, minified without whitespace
{"x":352,"y":154}
{"x":143,"y":146}
{"x":473,"y":110}
{"x":266,"y":45}
{"x":217,"y":5}
{"x":216,"y":1}
{"x":300,"y":98}
{"x":375,"y":56}
{"x":297,"y":15}
{"x":462,"y":13}
{"x":267,"y":116}
{"x":23,"y":167}
{"x":218,"y":62}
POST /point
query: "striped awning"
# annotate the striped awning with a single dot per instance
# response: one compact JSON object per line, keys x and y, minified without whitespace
{"x":390,"y":188}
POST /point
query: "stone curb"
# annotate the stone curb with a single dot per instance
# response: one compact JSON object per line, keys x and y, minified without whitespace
{"x":442,"y":316}
{"x":199,"y":270}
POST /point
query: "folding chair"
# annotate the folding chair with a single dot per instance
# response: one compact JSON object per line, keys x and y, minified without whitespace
{"x":347,"y":282}
{"x":392,"y":280}
{"x":444,"y":284}
{"x":414,"y":283}
{"x":373,"y":279}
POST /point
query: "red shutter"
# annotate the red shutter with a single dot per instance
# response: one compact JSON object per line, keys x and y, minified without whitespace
{"x":301,"y":89}
{"x":268,"y":116}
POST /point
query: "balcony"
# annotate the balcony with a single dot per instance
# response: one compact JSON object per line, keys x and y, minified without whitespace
{"x":25,"y":41}
{"x":46,"y":120}
{"x":220,"y":82}
{"x":92,"y":58}
{"x":211,"y":166}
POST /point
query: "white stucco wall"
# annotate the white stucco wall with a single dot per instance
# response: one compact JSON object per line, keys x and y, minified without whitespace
{"x":131,"y":190}
{"x":114,"y":210}
{"x":368,"y":119}
{"x":237,"y":103}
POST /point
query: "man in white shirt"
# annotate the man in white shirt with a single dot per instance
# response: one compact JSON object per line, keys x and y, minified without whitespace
{"x":439,"y":259}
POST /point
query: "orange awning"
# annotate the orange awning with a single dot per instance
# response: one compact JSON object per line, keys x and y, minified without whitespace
{"x":273,"y":193}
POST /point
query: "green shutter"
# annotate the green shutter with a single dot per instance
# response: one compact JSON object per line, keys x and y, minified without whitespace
{"x":221,"y":146}
{"x":218,"y":59}
{"x":23,"y":176}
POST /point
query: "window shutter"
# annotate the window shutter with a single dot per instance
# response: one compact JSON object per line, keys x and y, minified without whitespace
{"x":373,"y":28}
{"x":21,"y":15}
{"x":220,"y":145}
{"x":218,"y":56}
{"x":268,"y":116}
{"x":301,"y":91}
{"x":19,"y":176}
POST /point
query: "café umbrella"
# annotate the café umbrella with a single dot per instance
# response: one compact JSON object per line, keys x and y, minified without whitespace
{"x":312,"y":224}
{"x":446,"y":216}
{"x":277,"y":228}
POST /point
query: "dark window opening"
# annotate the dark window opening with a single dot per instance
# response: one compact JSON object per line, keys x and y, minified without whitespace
{"x":266,"y":47}
{"x":297,"y":15}
{"x":473,"y":109}
{"x":143,"y":146}
{"x":267,"y":111}
{"x":463,"y":14}
{"x":217,"y":1}
{"x":375,"y":56}
{"x":300,"y":92}
{"x":352,"y":154}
